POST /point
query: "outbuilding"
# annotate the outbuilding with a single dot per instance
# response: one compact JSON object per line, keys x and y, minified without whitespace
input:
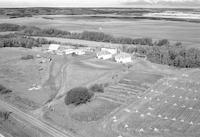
{"x":69,"y":51}
{"x":104,"y":55}
{"x":53,"y":47}
{"x":111,"y":50}
{"x":79,"y":52}
{"x":123,"y":58}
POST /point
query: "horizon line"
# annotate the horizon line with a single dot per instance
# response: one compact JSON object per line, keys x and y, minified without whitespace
{"x":120,"y":7}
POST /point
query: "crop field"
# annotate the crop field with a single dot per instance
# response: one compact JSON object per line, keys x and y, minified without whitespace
{"x":173,"y":110}
{"x":130,"y":86}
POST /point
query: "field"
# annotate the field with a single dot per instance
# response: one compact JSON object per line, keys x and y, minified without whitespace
{"x":18,"y":128}
{"x":141,"y":99}
{"x":15,"y":74}
{"x":185,"y":32}
{"x":170,"y":109}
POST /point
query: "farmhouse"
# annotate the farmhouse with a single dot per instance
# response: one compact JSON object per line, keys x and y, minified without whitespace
{"x":111,"y":50}
{"x":53,"y":47}
{"x":104,"y":55}
{"x":123,"y":58}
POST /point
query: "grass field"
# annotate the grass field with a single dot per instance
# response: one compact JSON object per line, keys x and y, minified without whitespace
{"x":20,"y":75}
{"x":185,"y":32}
{"x":93,"y":111}
{"x":18,"y":128}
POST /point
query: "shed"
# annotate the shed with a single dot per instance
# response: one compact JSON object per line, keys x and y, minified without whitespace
{"x":53,"y":47}
{"x":111,"y":50}
{"x":123,"y":58}
{"x":104,"y":55}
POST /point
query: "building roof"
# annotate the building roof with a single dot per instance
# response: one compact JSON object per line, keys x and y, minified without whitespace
{"x":122,"y":55}
{"x":103,"y":53}
{"x":54,"y":46}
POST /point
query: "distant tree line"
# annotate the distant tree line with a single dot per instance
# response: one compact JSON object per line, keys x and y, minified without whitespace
{"x":86,"y":35}
{"x":13,"y":40}
{"x":10,"y":27}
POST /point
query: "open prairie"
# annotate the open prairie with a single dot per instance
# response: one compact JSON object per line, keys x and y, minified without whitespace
{"x":185,"y":32}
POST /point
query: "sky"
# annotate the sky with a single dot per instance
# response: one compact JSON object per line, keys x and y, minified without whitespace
{"x":97,"y":3}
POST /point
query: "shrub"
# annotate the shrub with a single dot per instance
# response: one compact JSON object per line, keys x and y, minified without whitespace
{"x":163,"y":42}
{"x":27,"y":57}
{"x":77,"y":96}
{"x":97,"y":88}
{"x":4,"y":90}
{"x":4,"y":115}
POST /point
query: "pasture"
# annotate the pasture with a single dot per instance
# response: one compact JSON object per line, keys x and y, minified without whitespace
{"x":185,"y":32}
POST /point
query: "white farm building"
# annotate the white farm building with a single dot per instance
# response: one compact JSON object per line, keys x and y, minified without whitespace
{"x":53,"y":47}
{"x":104,"y":55}
{"x":111,"y":50}
{"x":75,"y":51}
{"x":123,"y":58}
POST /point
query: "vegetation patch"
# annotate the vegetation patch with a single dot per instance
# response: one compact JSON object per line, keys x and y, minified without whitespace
{"x":77,"y":96}
{"x":10,"y":27}
{"x":93,"y":111}
{"x":4,"y":115}
{"x":97,"y":88}
{"x":4,"y":90}
{"x":27,"y":57}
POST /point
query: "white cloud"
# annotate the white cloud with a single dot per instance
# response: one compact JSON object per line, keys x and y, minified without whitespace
{"x":85,"y":3}
{"x":60,"y":3}
{"x":173,"y":3}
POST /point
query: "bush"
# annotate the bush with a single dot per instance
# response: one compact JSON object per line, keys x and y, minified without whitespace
{"x":77,"y":96}
{"x":163,"y":42}
{"x":4,"y":90}
{"x":4,"y":115}
{"x":97,"y":88}
{"x":27,"y":57}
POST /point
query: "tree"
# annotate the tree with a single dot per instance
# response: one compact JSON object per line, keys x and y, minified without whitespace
{"x":97,"y":88}
{"x":77,"y":96}
{"x":163,"y":42}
